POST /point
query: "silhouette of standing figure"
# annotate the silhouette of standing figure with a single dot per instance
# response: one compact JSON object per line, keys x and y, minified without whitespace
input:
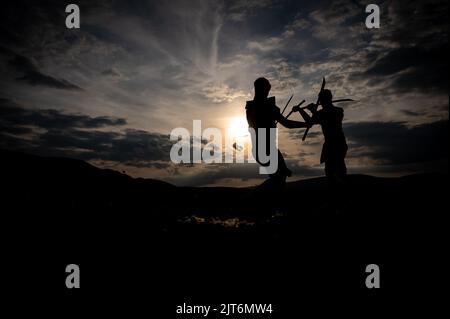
{"x":335,"y":147}
{"x":262,"y":112}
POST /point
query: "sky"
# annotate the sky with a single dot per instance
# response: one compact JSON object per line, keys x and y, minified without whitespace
{"x":112,"y":91}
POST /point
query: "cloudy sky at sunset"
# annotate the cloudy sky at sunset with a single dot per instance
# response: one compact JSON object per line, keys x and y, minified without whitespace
{"x":112,"y":91}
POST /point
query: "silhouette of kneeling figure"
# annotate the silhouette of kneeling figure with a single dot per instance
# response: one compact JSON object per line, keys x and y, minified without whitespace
{"x":262,"y":112}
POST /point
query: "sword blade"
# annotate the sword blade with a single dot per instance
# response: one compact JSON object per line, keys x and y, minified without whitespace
{"x":287,"y":104}
{"x":343,"y":100}
{"x":317,"y":103}
{"x":287,"y":116}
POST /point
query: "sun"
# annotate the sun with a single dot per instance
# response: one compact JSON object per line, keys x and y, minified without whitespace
{"x":238,"y":127}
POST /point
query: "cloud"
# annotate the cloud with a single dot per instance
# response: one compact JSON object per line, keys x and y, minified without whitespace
{"x":99,"y":139}
{"x":223,"y":93}
{"x":31,"y":74}
{"x":412,"y":113}
{"x":330,"y":21}
{"x":415,"y":67}
{"x":52,"y":132}
{"x":112,"y":73}
{"x":240,"y":10}
{"x":396,"y":143}
{"x":15,"y":115}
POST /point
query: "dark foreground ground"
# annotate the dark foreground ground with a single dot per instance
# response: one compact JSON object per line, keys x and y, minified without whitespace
{"x":144,"y":246}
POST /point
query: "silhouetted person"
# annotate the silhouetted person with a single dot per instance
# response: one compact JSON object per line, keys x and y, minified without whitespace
{"x":262,"y":112}
{"x":335,"y":147}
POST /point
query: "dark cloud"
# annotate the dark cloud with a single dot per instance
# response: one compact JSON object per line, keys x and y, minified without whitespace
{"x":296,"y":134}
{"x":55,"y":133}
{"x":31,"y":74}
{"x":52,"y":132}
{"x":38,"y":78}
{"x":25,"y":23}
{"x":417,"y":67}
{"x":407,"y":54}
{"x":423,"y":22}
{"x":396,"y":143}
{"x":415,"y":45}
{"x":112,"y":72}
{"x":412,"y":113}
{"x":16,"y":116}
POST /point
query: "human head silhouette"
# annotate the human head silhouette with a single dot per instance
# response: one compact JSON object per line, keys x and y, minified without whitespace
{"x":262,"y":87}
{"x":325,"y":98}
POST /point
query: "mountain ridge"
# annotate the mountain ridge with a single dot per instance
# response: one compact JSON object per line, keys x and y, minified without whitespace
{"x":31,"y":162}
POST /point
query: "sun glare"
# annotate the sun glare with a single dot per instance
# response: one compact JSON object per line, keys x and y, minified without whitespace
{"x":238,"y":127}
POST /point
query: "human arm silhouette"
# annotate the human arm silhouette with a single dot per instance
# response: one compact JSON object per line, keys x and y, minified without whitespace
{"x":289,"y":123}
{"x":309,"y":120}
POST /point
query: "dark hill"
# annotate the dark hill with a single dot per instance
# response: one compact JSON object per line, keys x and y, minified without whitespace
{"x":177,"y":241}
{"x":62,"y":185}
